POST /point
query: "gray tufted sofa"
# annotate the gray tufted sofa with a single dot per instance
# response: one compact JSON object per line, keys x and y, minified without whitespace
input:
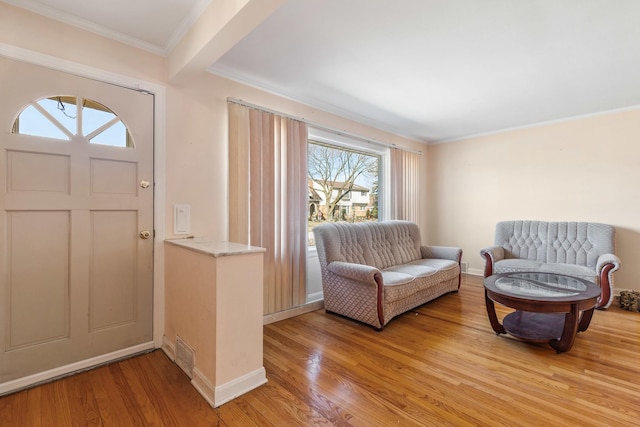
{"x":580,"y":249}
{"x":374,"y":271}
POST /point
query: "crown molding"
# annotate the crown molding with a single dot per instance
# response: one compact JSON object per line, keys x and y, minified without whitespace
{"x":83,"y":24}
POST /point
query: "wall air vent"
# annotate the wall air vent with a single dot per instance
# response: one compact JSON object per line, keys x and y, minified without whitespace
{"x":185,"y":357}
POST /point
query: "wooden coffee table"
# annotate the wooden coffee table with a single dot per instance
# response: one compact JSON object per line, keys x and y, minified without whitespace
{"x":549,"y":307}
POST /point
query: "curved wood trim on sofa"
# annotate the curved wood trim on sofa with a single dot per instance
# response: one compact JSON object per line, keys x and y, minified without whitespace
{"x":605,"y":286}
{"x":460,"y":266}
{"x":488,"y":266}
{"x":378,"y":278}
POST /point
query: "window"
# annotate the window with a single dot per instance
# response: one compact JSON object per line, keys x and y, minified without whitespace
{"x":60,"y":117}
{"x":344,"y":181}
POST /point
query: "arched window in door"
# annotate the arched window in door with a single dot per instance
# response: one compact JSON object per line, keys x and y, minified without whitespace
{"x":63,"y":117}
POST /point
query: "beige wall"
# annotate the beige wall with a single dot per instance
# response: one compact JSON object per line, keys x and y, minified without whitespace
{"x":584,"y":169}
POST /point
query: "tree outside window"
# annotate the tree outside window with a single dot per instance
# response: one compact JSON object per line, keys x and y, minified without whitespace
{"x":343,"y":184}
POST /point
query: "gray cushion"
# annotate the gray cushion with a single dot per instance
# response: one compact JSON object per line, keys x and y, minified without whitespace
{"x":570,"y":270}
{"x":414,"y":270}
{"x":510,"y":265}
{"x":394,"y":278}
{"x":435,"y":263}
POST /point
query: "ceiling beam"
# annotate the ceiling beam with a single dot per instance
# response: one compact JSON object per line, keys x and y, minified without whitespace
{"x":223,"y":24}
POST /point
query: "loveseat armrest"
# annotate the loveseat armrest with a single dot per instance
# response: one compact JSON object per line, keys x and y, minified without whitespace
{"x":357,"y":272}
{"x":605,"y":266}
{"x":491,"y":254}
{"x":441,"y":252}
{"x":605,"y":259}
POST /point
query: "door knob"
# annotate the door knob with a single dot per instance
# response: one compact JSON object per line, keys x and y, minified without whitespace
{"x":144,"y":184}
{"x":145,"y":234}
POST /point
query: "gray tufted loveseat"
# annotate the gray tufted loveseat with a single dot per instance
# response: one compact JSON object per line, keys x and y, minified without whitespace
{"x":581,"y":249}
{"x":374,"y":271}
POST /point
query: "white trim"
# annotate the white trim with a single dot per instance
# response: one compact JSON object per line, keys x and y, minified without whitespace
{"x":41,"y":377}
{"x":168,"y":348}
{"x":315,"y":297}
{"x":159,"y":150}
{"x":186,"y":24}
{"x":78,"y":69}
{"x":475,"y":272}
{"x":86,"y":25}
{"x":293,"y":312}
{"x":220,"y":395}
{"x":535,"y":125}
{"x":204,"y":387}
{"x":239,"y":386}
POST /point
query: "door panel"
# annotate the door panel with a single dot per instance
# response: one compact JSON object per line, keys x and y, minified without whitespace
{"x":54,"y":177}
{"x":39,"y":297}
{"x":113,"y":177}
{"x":113,"y":268}
{"x":75,"y":277}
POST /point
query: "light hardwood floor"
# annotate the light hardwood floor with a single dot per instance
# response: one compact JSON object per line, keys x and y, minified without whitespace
{"x":438,"y":365}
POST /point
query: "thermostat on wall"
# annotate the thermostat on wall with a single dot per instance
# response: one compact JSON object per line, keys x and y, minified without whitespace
{"x":181,"y":219}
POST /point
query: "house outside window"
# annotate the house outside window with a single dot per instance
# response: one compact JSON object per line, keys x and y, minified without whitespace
{"x":344,"y":184}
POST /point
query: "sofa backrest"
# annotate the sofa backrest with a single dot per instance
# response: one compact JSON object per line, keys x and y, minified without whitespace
{"x":579,"y":243}
{"x":378,"y":244}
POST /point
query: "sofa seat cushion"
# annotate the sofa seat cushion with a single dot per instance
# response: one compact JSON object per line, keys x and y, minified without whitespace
{"x":516,"y":265}
{"x":419,"y":285}
{"x":438,"y":264}
{"x":414,"y":270}
{"x":580,"y":271}
{"x":424,"y":273}
{"x":394,"y":278}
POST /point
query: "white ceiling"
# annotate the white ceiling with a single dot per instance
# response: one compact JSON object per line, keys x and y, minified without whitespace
{"x":431,"y":70}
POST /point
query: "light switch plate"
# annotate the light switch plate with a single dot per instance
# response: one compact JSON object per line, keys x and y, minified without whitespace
{"x":181,"y":219}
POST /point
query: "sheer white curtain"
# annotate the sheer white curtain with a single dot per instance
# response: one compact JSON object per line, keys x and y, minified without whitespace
{"x":268,"y":198}
{"x":405,"y":182}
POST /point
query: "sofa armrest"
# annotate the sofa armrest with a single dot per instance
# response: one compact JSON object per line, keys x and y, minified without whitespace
{"x":491,"y":254}
{"x":605,"y":266}
{"x":607,"y":259}
{"x":441,"y":252}
{"x":357,"y":272}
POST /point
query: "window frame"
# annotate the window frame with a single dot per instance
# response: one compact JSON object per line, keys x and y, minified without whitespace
{"x":350,"y":143}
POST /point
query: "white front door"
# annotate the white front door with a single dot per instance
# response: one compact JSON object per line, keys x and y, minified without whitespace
{"x":76,"y":219}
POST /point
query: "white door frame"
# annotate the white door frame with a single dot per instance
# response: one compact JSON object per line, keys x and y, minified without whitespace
{"x":159,"y":144}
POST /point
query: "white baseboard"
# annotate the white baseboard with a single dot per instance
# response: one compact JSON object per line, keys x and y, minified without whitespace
{"x":475,"y":272}
{"x":292,"y":312}
{"x":204,"y":387}
{"x":240,"y":385}
{"x":168,"y":348}
{"x":316,"y":296}
{"x":224,"y":393}
{"x":62,"y":371}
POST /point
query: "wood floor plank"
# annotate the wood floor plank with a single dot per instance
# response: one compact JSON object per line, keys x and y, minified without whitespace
{"x":440,"y":364}
{"x":82,"y":403}
{"x":169,"y":391}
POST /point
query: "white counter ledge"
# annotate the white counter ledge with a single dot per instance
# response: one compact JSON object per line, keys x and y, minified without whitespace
{"x":215,"y":248}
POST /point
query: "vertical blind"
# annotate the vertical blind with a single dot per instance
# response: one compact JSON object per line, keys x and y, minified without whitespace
{"x":405,"y":180}
{"x":268,"y":198}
